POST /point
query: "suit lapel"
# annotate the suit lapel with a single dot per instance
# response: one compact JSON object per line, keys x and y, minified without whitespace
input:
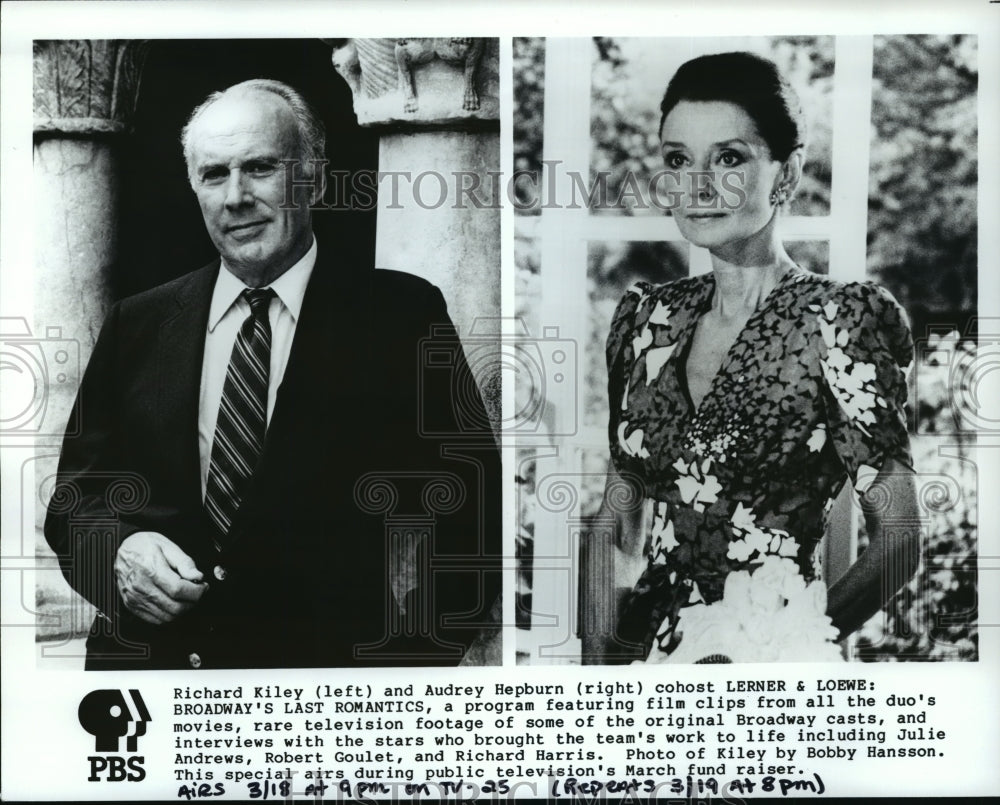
{"x":321,"y":387}
{"x":329,"y":351}
{"x":181,"y":348}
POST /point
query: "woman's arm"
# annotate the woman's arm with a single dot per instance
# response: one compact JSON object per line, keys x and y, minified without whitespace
{"x":611,"y":562}
{"x":892,"y":555}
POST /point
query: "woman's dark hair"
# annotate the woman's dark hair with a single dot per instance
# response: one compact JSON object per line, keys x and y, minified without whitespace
{"x":749,"y":81}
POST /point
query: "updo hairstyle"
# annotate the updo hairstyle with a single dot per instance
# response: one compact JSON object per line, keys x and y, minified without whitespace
{"x":752,"y":83}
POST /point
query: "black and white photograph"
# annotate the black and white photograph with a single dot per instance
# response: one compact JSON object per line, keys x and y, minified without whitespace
{"x":764,"y":457}
{"x":449,"y":402}
{"x":266,"y":463}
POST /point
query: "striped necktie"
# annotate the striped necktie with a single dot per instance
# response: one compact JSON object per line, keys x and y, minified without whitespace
{"x":242,"y":421}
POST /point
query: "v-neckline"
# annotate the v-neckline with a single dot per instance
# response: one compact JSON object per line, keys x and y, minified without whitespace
{"x":684,"y":348}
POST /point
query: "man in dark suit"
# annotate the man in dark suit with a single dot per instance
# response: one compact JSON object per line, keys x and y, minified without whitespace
{"x":264,"y":475}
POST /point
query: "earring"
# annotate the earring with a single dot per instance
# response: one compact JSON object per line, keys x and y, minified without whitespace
{"x":779,"y":196}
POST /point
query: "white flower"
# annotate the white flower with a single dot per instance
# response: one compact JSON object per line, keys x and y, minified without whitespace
{"x":779,"y":574}
{"x":689,"y":487}
{"x":829,"y":333}
{"x":846,"y":385}
{"x":737,"y":588}
{"x":817,"y":438}
{"x":858,"y":407}
{"x":633,"y":444}
{"x":641,"y":341}
{"x":758,"y":539}
{"x":695,"y":485}
{"x":754,"y":622}
{"x":660,"y":315}
{"x":703,"y":630}
{"x":669,"y":540}
{"x":866,"y":475}
{"x":739,"y":551}
{"x":852,"y":387}
{"x":863,"y":372}
{"x":743,"y":517}
{"x":706,"y":492}
{"x":655,"y":359}
{"x":865,"y":401}
{"x":789,"y":547}
{"x":765,"y":602}
{"x":837,"y":359}
{"x":637,"y":291}
{"x":664,"y":540}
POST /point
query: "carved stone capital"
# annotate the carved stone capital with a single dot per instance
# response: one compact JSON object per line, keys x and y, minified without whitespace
{"x":421,"y":81}
{"x":86,"y":86}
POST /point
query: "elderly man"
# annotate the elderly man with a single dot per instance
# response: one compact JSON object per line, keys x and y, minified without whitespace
{"x":247,"y":407}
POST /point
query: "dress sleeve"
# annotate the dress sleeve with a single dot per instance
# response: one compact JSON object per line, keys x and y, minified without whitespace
{"x":622,"y":324}
{"x":620,"y":358}
{"x":866,"y":351}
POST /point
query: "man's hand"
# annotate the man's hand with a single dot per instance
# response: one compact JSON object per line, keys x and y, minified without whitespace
{"x":156,"y":579}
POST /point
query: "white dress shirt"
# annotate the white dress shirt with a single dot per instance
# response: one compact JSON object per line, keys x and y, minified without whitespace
{"x":228,"y":312}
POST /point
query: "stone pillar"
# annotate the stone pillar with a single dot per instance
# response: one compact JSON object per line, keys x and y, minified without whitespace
{"x":435,"y":102}
{"x":84,"y":94}
{"x":84,"y":100}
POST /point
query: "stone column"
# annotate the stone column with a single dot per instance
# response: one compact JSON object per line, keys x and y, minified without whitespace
{"x":435,"y":103}
{"x":84,"y":99}
{"x":84,"y":94}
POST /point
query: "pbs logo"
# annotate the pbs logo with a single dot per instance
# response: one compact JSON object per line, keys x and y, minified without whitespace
{"x":111,"y":715}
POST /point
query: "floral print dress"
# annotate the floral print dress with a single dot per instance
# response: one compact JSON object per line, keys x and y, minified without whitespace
{"x":811,"y":392}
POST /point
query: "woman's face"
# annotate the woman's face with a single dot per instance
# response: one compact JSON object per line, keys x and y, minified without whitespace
{"x":723,"y":173}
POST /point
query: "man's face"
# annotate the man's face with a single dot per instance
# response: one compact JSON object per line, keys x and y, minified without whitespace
{"x":236,"y":148}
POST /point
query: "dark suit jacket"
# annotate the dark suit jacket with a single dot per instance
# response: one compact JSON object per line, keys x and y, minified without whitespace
{"x":307,"y":565}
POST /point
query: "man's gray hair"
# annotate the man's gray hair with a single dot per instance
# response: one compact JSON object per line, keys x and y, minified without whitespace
{"x":312,"y":135}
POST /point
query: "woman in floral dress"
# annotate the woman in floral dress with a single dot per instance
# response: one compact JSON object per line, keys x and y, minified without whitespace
{"x":743,"y":399}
